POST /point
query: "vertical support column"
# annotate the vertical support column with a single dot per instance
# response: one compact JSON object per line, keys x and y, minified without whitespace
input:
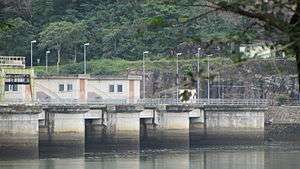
{"x":64,"y":129}
{"x":123,"y":125}
{"x":172,"y":129}
{"x":19,"y":130}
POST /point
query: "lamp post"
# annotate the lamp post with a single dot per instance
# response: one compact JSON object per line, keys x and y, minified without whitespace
{"x":144,"y":77}
{"x":198,"y":73}
{"x":177,"y":77}
{"x":84,"y":56}
{"x":31,"y":52}
{"x":208,"y":81}
{"x":47,"y":53}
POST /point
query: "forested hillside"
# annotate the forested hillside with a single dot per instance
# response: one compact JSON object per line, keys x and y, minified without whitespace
{"x":114,"y":29}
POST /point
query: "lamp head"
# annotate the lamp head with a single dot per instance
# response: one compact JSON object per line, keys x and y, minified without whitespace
{"x":146,"y":52}
{"x":178,"y":54}
{"x":34,"y":41}
{"x":86,"y":44}
{"x":48,"y":52}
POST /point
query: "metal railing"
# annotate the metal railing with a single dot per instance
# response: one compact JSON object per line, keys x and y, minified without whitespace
{"x":79,"y":102}
{"x":13,"y":61}
{"x":145,"y":102}
{"x":257,"y":102}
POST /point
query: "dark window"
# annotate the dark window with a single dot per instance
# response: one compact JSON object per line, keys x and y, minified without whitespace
{"x":61,"y":87}
{"x":11,"y":87}
{"x":120,"y":88}
{"x":6,"y":87}
{"x":14,"y":87}
{"x":70,"y":87}
{"x":111,"y":88}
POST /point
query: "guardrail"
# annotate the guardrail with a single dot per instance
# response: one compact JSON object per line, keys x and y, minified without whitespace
{"x":258,"y":102}
{"x":145,"y":102}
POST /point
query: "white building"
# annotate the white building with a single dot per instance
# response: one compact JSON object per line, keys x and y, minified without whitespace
{"x":84,"y":88}
{"x":259,"y":50}
{"x":61,"y":88}
{"x":114,"y":88}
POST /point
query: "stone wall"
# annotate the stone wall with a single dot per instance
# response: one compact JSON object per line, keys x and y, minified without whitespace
{"x":283,"y":114}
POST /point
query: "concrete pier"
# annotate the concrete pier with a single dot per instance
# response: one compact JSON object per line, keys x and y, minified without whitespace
{"x":64,"y":128}
{"x":19,"y":130}
{"x":169,"y":128}
{"x":123,"y":125}
{"x":243,"y":122}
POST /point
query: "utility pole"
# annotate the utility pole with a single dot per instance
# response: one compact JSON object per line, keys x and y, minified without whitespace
{"x":84,"y":56}
{"x":177,"y":77}
{"x":208,"y":80}
{"x":144,"y":76}
{"x":31,"y":53}
{"x":198,"y":73}
{"x":47,"y":52}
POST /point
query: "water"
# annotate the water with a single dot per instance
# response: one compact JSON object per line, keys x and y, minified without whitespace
{"x":271,"y":153}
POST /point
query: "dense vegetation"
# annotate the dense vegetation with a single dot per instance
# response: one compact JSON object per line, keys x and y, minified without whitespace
{"x":114,"y":29}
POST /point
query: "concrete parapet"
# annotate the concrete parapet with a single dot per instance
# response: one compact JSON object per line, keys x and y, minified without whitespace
{"x":234,"y":117}
{"x":19,"y":130}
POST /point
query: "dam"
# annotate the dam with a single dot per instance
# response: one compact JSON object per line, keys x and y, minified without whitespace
{"x":62,"y":111}
{"x":26,"y":126}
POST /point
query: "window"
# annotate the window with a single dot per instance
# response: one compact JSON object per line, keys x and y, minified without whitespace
{"x":70,"y":87}
{"x":11,"y":87}
{"x":120,"y":88}
{"x":6,"y":87}
{"x":14,"y":87}
{"x":61,"y":87}
{"x":111,"y":88}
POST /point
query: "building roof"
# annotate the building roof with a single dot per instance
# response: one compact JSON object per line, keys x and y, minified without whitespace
{"x":81,"y":76}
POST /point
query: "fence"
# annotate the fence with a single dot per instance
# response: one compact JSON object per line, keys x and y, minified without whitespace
{"x":145,"y":102}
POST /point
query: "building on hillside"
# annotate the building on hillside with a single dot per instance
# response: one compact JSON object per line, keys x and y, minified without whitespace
{"x":16,"y":82}
{"x":85,"y":88}
{"x":260,"y":50}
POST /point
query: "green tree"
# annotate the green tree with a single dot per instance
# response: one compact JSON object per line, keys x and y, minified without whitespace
{"x":16,"y":39}
{"x":61,"y":35}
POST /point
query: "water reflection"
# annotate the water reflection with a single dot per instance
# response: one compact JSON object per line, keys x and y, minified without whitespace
{"x":152,"y":152}
{"x":239,"y":157}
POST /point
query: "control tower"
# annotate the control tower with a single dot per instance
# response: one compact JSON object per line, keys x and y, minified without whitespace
{"x":16,"y":82}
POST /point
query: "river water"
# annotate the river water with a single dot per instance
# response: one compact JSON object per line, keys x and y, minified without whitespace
{"x":194,"y":154}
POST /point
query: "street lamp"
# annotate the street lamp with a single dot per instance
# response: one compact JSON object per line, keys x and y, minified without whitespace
{"x":47,"y":53}
{"x":84,"y":56}
{"x":31,"y":52}
{"x":144,"y":77}
{"x":208,"y":81}
{"x":198,"y":73}
{"x":177,"y":76}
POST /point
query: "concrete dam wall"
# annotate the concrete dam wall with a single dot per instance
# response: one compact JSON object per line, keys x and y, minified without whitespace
{"x":68,"y":125}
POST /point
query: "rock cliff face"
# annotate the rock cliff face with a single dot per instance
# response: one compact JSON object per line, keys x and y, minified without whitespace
{"x":251,"y":79}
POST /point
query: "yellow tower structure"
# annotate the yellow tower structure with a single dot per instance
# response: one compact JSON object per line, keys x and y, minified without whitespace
{"x":13,"y":72}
